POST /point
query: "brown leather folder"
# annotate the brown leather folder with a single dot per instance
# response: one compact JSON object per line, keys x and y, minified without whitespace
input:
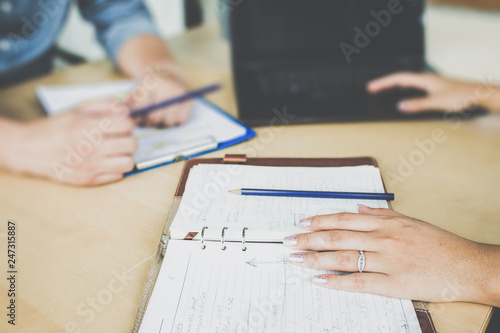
{"x":423,"y":315}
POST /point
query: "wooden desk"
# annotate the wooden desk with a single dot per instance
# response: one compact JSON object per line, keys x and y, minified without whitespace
{"x":84,"y":253}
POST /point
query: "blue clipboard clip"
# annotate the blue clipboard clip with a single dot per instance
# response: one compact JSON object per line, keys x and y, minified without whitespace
{"x":200,"y":146}
{"x":205,"y":146}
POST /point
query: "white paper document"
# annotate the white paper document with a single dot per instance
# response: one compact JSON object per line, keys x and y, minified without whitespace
{"x":207,"y":201}
{"x":259,"y":290}
{"x":205,"y":129}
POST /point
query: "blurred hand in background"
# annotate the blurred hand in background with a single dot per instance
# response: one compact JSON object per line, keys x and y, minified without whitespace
{"x":90,"y":145}
{"x":147,"y":59}
{"x":160,"y":82}
{"x":442,"y":93}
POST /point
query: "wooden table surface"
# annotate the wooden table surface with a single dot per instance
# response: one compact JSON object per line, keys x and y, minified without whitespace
{"x":84,"y":253}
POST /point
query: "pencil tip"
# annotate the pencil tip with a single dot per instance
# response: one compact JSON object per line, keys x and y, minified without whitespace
{"x":238,"y":191}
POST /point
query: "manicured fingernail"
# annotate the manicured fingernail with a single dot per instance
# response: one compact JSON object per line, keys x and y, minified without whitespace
{"x":290,"y":241}
{"x":305,"y":222}
{"x":297,"y":257}
{"x":403,"y":106}
{"x":320,"y":279}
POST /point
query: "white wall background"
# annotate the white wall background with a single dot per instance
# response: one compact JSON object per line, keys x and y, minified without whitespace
{"x":463,"y":43}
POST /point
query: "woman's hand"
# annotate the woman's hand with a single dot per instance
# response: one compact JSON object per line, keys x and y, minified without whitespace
{"x":405,"y":257}
{"x":160,"y":82}
{"x":90,"y":145}
{"x":442,"y":93}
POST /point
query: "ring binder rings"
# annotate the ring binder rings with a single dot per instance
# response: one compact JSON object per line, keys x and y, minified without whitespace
{"x":243,"y":232}
{"x":235,"y":160}
{"x":223,"y":247}
{"x":223,"y":236}
{"x":203,"y":246}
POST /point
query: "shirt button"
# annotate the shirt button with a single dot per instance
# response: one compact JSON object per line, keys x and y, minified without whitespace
{"x":4,"y":45}
{"x":6,"y":6}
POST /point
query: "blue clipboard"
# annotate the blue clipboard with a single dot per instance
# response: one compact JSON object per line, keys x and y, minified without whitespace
{"x":250,"y":133}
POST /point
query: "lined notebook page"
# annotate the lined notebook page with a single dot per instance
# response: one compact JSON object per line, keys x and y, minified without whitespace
{"x":207,"y":202}
{"x":258,"y":290}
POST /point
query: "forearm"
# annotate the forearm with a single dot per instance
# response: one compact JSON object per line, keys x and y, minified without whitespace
{"x":470,"y":94}
{"x":10,"y":133}
{"x":491,"y":98}
{"x":20,"y":151}
{"x":140,"y":52}
{"x":489,"y":276}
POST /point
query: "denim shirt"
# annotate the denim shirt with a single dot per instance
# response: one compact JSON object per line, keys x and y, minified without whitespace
{"x":29,"y":28}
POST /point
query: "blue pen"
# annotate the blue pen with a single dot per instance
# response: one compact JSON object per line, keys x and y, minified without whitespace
{"x":178,"y":99}
{"x":312,"y":194}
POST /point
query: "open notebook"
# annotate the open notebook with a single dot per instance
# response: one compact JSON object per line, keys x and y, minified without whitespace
{"x":252,"y":286}
{"x":208,"y":128}
{"x":207,"y":201}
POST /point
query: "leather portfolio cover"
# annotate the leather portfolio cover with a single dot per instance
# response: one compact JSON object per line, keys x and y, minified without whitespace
{"x":422,"y":315}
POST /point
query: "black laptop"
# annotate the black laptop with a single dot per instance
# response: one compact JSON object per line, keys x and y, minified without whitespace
{"x":314,"y":57}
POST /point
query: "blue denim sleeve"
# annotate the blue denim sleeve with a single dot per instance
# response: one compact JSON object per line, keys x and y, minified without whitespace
{"x":116,"y":21}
